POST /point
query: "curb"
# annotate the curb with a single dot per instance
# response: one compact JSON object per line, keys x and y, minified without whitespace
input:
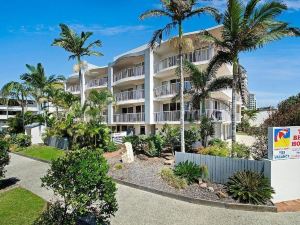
{"x":234,"y":206}
{"x":29,"y":157}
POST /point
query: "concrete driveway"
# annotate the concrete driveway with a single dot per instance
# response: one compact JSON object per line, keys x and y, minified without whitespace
{"x":137,"y":207}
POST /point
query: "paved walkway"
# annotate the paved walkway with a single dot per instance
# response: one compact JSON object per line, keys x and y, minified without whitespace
{"x":137,"y":207}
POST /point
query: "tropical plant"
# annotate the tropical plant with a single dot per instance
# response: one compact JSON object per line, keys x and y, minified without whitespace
{"x":204,"y":173}
{"x":21,"y":140}
{"x":168,"y":175}
{"x":203,"y":84}
{"x":221,"y":150}
{"x":191,"y":136}
{"x":250,"y":187}
{"x":91,"y":192}
{"x":77,"y":46}
{"x":177,"y":11}
{"x":240,"y":151}
{"x":97,"y":104}
{"x":19,"y":92}
{"x":4,"y":157}
{"x":246,"y":28}
{"x":207,"y":129}
{"x":187,"y":170}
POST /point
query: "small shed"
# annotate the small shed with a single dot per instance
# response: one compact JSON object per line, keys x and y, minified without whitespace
{"x":35,"y":130}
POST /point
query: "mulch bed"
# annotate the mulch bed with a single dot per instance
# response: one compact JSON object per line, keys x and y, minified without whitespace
{"x":146,"y":173}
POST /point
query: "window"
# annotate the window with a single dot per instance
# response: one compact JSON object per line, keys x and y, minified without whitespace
{"x":166,"y":107}
{"x":142,"y":130}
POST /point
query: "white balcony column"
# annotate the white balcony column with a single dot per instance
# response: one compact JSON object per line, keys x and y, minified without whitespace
{"x":110,"y":111}
{"x":83,"y":84}
{"x":149,"y":85}
{"x":211,"y":51}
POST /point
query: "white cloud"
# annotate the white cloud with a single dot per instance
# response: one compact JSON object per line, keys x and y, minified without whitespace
{"x":221,"y":4}
{"x":106,"y":31}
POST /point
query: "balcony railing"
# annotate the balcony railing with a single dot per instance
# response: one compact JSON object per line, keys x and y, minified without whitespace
{"x":97,"y":82}
{"x":130,"y":95}
{"x":216,"y":115}
{"x":129,"y":72}
{"x":198,"y":55}
{"x":74,"y":89}
{"x":171,"y":89}
{"x":129,"y":117}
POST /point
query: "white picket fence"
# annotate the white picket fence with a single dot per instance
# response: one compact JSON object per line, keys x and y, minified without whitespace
{"x":221,"y":168}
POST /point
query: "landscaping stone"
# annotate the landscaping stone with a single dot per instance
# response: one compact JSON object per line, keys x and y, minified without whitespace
{"x":211,"y":189}
{"x":221,"y":194}
{"x":128,"y":156}
{"x":142,"y":157}
{"x":200,"y":181}
{"x":169,"y":162}
{"x":203,"y":185}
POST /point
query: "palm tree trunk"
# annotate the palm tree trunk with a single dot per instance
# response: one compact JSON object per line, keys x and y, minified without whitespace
{"x":80,"y":82}
{"x":23,"y":111}
{"x":233,"y":109}
{"x":181,"y":88}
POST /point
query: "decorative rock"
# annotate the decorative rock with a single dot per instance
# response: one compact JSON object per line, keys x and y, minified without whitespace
{"x":200,"y":181}
{"x":128,"y":156}
{"x":169,"y":162}
{"x":203,"y":185}
{"x":211,"y":189}
{"x":142,"y":157}
{"x":169,"y":157}
{"x":221,"y":194}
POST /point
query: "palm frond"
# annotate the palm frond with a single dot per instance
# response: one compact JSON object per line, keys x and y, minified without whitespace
{"x":154,"y":13}
{"x":206,"y":10}
{"x":220,"y":83}
{"x":158,"y":34}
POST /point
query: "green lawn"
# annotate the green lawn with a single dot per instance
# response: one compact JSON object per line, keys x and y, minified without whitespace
{"x":19,"y":207}
{"x":42,"y":152}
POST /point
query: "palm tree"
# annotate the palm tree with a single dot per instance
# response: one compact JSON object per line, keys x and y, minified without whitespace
{"x":76,"y":44}
{"x":97,"y":103}
{"x":203,"y":84}
{"x":246,"y":28}
{"x":177,"y":11}
{"x":39,"y":82}
{"x":19,"y":92}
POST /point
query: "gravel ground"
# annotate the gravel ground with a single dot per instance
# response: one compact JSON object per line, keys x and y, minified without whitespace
{"x":146,"y":173}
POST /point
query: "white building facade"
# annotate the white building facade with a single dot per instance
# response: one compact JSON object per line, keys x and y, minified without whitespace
{"x":144,"y":83}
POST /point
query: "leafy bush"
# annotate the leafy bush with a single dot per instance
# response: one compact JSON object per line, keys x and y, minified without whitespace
{"x":87,"y":169}
{"x":187,"y":170}
{"x":4,"y":157}
{"x":240,"y":151}
{"x":22,"y":140}
{"x":250,"y":187}
{"x":215,"y":150}
{"x":190,"y":137}
{"x":204,"y":173}
{"x":218,"y":142}
{"x":174,"y":181}
{"x":111,"y":147}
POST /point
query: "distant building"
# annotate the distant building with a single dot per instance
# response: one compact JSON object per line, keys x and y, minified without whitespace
{"x":251,"y":101}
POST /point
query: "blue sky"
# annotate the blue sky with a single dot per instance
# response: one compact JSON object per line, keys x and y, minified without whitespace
{"x":29,"y":27}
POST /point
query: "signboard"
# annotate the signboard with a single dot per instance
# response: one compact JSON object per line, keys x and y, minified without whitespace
{"x":118,"y":137}
{"x":283,"y":143}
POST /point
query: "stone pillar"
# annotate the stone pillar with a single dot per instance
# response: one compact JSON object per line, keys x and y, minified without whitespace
{"x":110,"y":80}
{"x":149,"y":85}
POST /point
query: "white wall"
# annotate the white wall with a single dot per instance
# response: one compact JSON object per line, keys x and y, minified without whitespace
{"x":285,"y":179}
{"x":36,"y":134}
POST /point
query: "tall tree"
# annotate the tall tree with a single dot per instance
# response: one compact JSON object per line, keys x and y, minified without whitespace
{"x":76,"y":44}
{"x":177,"y":11}
{"x":39,"y":83}
{"x":203,"y":84}
{"x":18,"y":92}
{"x":246,"y":28}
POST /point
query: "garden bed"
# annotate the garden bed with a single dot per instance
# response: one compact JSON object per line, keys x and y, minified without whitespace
{"x":146,"y":173}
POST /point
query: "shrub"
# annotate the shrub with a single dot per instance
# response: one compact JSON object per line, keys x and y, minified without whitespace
{"x":111,"y":147}
{"x":218,"y":142}
{"x":204,"y":173}
{"x":190,"y":137}
{"x":240,"y":151}
{"x":215,"y":150}
{"x":22,"y":140}
{"x":250,"y":187}
{"x":187,"y":170}
{"x":87,"y":169}
{"x":4,"y":157}
{"x":174,"y":181}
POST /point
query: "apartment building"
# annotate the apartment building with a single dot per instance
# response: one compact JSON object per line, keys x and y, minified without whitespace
{"x":13,"y":109}
{"x":252,"y":102}
{"x":144,"y":83}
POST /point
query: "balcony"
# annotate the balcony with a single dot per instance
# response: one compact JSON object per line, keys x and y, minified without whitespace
{"x":74,"y":89}
{"x":172,"y":89}
{"x":129,"y":72}
{"x":129,"y":118}
{"x":130,"y":95}
{"x":97,"y":83}
{"x":199,"y":55}
{"x":195,"y":115}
